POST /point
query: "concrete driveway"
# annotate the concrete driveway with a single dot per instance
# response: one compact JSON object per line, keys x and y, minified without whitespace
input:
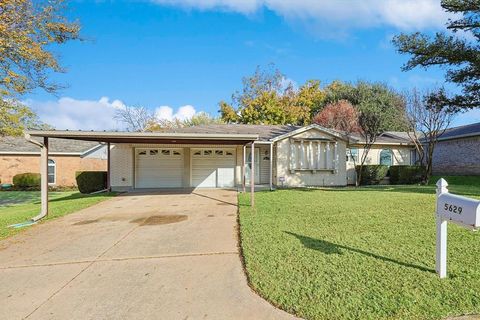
{"x":138,"y":256}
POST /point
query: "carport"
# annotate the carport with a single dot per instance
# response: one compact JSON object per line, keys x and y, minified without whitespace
{"x":142,"y":138}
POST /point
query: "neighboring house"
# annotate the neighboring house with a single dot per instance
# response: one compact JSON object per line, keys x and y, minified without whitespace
{"x":213,"y":156}
{"x":17,"y":155}
{"x":458,"y":151}
{"x":390,"y":148}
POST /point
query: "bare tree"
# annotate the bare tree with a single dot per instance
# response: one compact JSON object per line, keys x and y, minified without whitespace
{"x":427,"y":120}
{"x":370,"y":121}
{"x":135,"y":118}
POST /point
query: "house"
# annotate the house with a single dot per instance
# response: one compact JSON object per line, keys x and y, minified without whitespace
{"x":457,"y":151}
{"x":17,"y":155}
{"x":231,"y":155}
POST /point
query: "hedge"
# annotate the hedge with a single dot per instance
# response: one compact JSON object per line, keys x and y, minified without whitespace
{"x":406,"y":174}
{"x":27,"y":181}
{"x":91,"y":181}
{"x":372,"y":174}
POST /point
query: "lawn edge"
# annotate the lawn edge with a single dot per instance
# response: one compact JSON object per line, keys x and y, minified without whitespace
{"x":244,"y":267}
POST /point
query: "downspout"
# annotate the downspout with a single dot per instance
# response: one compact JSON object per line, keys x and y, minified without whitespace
{"x":44,"y":176}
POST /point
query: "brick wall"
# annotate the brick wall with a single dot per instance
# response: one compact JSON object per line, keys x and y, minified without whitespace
{"x":66,"y":166}
{"x":457,"y":157}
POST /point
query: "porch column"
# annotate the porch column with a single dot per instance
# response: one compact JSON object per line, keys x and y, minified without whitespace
{"x":327,"y":156}
{"x":44,"y":178}
{"x":271,"y":166}
{"x":319,"y":155}
{"x":244,"y":171}
{"x":252,"y":177}
{"x":108,"y":167}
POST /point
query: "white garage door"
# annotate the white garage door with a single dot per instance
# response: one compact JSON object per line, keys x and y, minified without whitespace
{"x":159,"y":168}
{"x":213,"y":168}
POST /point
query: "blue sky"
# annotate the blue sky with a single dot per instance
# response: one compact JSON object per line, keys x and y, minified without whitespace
{"x":184,"y":56}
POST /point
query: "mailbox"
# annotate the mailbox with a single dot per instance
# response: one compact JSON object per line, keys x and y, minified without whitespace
{"x":458,"y":209}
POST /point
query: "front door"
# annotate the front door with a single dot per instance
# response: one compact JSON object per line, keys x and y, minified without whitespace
{"x":248,"y":166}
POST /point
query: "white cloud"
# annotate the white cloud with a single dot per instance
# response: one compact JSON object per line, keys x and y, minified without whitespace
{"x":342,"y":14}
{"x":183,"y":113}
{"x":73,"y":114}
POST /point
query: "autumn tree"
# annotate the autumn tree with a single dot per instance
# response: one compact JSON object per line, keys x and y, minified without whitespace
{"x":16,"y":117}
{"x":340,"y":115}
{"x":268,"y":98}
{"x":427,"y":120}
{"x":28,"y":31}
{"x":458,"y":53}
{"x":198,"y":119}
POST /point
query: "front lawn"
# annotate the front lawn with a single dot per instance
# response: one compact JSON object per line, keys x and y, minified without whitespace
{"x":366,"y":253}
{"x":20,"y":206}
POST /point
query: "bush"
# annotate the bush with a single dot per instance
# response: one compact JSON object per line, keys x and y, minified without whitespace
{"x":406,"y":174}
{"x":91,"y":181}
{"x":27,"y":181}
{"x":373,"y":174}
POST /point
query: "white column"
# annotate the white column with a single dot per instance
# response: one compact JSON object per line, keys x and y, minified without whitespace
{"x":302,"y":155}
{"x":441,"y":244}
{"x":319,"y":155}
{"x":44,"y":178}
{"x":311,"y":160}
{"x":327,"y":156}
{"x":244,"y":170}
{"x":335,"y":157}
{"x":292,"y":155}
{"x":252,"y":177}
{"x":271,"y":166}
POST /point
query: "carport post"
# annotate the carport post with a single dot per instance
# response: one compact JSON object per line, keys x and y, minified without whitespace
{"x":252,"y":176}
{"x":244,"y":172}
{"x":44,"y":178}
{"x":108,"y":166}
{"x":271,"y":166}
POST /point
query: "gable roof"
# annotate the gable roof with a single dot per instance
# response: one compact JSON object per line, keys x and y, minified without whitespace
{"x":299,"y":130}
{"x":18,"y":145}
{"x":470,"y":130}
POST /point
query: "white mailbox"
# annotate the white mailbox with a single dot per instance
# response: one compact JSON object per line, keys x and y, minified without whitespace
{"x":452,"y":208}
{"x":461,"y":210}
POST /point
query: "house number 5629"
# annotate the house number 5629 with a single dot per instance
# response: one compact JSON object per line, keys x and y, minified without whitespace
{"x":452,"y":208}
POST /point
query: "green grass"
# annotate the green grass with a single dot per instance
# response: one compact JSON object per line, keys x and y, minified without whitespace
{"x":366,"y":253}
{"x":20,"y":206}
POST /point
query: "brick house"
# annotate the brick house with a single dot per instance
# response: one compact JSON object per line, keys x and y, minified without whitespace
{"x":17,"y":155}
{"x":457,"y":151}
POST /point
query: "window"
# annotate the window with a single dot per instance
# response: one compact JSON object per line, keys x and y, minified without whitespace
{"x":153,"y":152}
{"x":207,"y":152}
{"x":175,"y":153}
{"x":198,"y":153}
{"x":165,"y":152}
{"x":386,"y":157}
{"x":218,"y":152}
{"x":352,"y":154}
{"x":51,"y":171}
{"x":142,"y":153}
{"x":229,"y":153}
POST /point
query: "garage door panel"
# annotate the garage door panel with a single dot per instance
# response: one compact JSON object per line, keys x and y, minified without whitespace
{"x":213,"y":168}
{"x":159,"y":168}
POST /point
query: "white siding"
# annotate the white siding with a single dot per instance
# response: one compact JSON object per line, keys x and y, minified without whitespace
{"x":121,"y":167}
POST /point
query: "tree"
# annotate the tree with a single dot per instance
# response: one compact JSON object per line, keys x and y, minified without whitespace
{"x":458,"y":53}
{"x":363,"y":93}
{"x":135,"y":118}
{"x":16,"y":117}
{"x":28,"y":29}
{"x":198,"y":119}
{"x":340,"y":115}
{"x":268,"y":98}
{"x":428,"y":120}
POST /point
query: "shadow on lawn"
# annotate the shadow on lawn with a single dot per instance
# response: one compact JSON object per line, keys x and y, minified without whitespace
{"x":333,"y":248}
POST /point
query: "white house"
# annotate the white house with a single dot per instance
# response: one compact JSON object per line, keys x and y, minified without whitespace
{"x":220,"y":156}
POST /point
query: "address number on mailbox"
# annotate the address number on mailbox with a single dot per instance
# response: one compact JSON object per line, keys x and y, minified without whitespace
{"x":453,"y":208}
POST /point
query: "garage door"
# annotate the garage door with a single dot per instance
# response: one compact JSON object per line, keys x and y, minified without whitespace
{"x":213,"y":168}
{"x":159,"y":168}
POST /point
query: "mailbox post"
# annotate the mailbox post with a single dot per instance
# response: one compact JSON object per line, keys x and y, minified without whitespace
{"x":452,"y":208}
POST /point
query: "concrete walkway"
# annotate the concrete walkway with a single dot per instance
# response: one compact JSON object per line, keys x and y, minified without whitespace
{"x":138,"y":256}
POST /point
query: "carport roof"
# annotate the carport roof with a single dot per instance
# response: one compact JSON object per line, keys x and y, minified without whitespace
{"x":147,"y":137}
